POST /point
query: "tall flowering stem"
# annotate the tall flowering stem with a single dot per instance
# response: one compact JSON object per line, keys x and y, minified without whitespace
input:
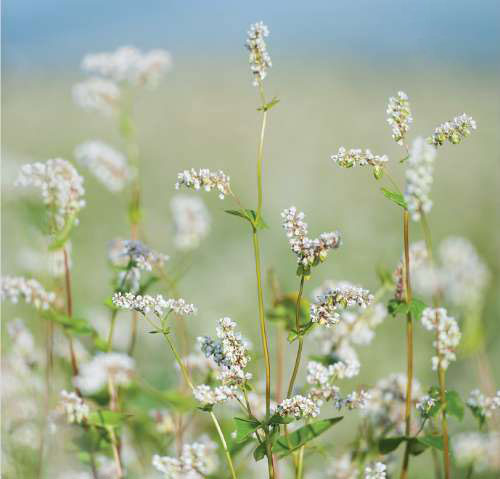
{"x":260,"y":296}
{"x":187,"y":379}
{"x":409,"y":341}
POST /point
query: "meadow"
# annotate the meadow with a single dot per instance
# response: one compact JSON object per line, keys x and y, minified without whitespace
{"x":204,"y":115}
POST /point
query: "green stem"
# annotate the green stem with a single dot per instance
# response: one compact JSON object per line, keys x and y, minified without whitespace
{"x":444,"y":422}
{"x":300,"y":339}
{"x":185,"y":374}
{"x":114,"y":314}
{"x":409,"y":343}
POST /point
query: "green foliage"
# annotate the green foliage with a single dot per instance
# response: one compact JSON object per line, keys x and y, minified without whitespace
{"x":397,"y":307}
{"x":417,"y":445}
{"x":73,"y":326}
{"x":396,"y":198}
{"x":245,"y":428}
{"x":283,"y":446}
{"x":106,"y":419}
{"x":251,"y":217}
{"x":454,"y":405}
{"x":269,"y":105}
{"x":284,"y":311}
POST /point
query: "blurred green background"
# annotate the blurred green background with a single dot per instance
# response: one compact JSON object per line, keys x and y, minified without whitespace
{"x":204,"y":115}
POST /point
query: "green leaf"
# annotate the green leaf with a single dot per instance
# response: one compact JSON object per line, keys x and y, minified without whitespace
{"x":432,"y":441}
{"x":397,"y":198}
{"x":416,"y":308}
{"x":259,"y":452}
{"x":269,"y":105}
{"x":105,"y":418}
{"x":389,"y":444}
{"x":385,"y":276}
{"x":250,"y":216}
{"x":277,"y":419}
{"x":416,"y":447}
{"x":241,"y":213}
{"x":75,"y":326}
{"x":395,"y":307}
{"x":285,"y":446}
{"x":245,"y":428}
{"x":478,"y":413}
{"x":454,"y":405}
{"x":206,"y":407}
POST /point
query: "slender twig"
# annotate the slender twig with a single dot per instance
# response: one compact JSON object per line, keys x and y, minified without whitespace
{"x":300,"y":339}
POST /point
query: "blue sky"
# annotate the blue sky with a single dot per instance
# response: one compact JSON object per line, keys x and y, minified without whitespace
{"x":48,"y":33}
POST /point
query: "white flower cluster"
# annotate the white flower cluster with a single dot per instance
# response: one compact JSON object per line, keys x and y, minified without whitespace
{"x":157,"y":305}
{"x":322,"y":378}
{"x":357,"y":157}
{"x":461,"y":276}
{"x":298,"y":406}
{"x":478,"y":449}
{"x":196,"y":461}
{"x":259,"y":58}
{"x":309,"y":251}
{"x":230,"y":353}
{"x":399,"y":116}
{"x":128,"y":64}
{"x":23,"y":345}
{"x":483,"y":404}
{"x":60,"y":184}
{"x":123,"y":252}
{"x":418,"y":257}
{"x":94,"y":375}
{"x":425,"y":405}
{"x":30,"y":290}
{"x":325,"y":311}
{"x":378,"y":470}
{"x":386,"y":407}
{"x":419,"y":171}
{"x":97,"y":94}
{"x":74,"y":406}
{"x":453,"y":131}
{"x":448,"y":335}
{"x":206,"y":179}
{"x":191,"y":220}
{"x":207,"y":395}
{"x":343,"y":468}
{"x":106,"y":164}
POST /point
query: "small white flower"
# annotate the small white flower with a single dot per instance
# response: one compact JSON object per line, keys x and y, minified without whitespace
{"x":485,"y":405}
{"x":448,"y":335}
{"x":204,"y":179}
{"x":453,"y":131}
{"x":419,"y":171}
{"x":399,"y":116}
{"x":357,"y":157}
{"x":309,"y":252}
{"x":97,"y":94}
{"x":75,"y":408}
{"x":191,"y":220}
{"x":480,"y":450}
{"x":106,"y":164}
{"x":378,"y":470}
{"x":259,"y":58}
{"x":61,"y":187}
{"x":298,"y":406}
{"x":157,"y":305}
{"x":207,"y":395}
{"x":31,"y":291}
{"x":94,"y":375}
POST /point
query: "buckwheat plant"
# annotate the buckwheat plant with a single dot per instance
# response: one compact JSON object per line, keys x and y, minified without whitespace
{"x":71,"y":385}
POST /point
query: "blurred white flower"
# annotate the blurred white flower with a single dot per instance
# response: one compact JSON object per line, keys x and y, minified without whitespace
{"x":31,"y":291}
{"x":419,"y":177}
{"x":97,"y":94}
{"x":108,"y":165}
{"x":191,"y":221}
{"x":61,"y":187}
{"x":94,"y":375}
